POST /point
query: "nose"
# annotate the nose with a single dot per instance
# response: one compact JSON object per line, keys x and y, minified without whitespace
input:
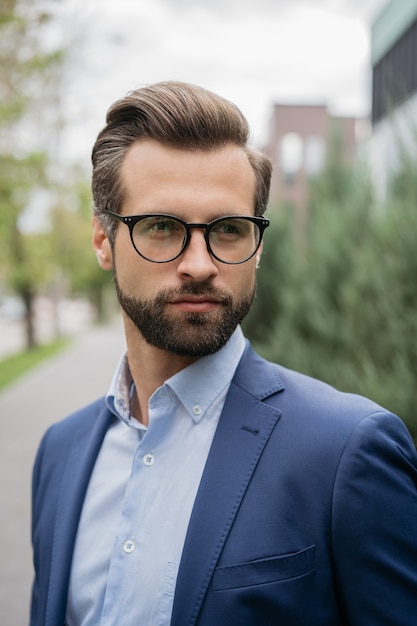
{"x":196,"y":263}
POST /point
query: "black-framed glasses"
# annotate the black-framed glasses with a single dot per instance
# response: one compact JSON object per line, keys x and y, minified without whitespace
{"x":161,"y":238}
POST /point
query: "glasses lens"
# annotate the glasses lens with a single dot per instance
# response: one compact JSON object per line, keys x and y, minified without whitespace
{"x":233,"y":239}
{"x":159,"y":238}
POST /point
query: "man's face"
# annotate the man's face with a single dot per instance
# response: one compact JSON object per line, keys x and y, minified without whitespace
{"x":189,"y":306}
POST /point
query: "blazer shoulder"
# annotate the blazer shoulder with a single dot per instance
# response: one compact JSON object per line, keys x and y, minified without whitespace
{"x":304,"y":401}
{"x":321,"y":397}
{"x":79,"y":428}
{"x":76,"y":422}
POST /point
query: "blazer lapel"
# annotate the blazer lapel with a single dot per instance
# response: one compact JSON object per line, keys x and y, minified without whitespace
{"x":244,"y":428}
{"x":81,"y":458}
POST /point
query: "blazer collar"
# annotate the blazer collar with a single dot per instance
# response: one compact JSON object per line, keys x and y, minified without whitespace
{"x":245,"y":426}
{"x":256,"y":376}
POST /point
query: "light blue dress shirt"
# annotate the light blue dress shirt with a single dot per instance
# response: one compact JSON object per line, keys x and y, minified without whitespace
{"x":141,"y":493}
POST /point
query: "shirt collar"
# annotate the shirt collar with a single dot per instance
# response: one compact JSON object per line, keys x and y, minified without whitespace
{"x":120,"y":391}
{"x":196,"y":386}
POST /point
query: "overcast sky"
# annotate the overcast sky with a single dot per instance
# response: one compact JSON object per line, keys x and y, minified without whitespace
{"x":254,"y":52}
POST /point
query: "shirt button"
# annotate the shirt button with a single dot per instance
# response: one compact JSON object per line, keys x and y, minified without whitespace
{"x":148,"y":459}
{"x":129,"y":546}
{"x":197,"y":410}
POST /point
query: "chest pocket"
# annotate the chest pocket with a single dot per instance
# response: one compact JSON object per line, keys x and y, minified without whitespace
{"x":263,"y":571}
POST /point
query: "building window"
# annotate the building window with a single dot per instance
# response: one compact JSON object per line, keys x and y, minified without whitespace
{"x":315,"y":155}
{"x":290,"y":156}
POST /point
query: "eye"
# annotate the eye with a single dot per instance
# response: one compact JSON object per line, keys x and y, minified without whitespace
{"x":232,"y":228}
{"x":159,"y":226}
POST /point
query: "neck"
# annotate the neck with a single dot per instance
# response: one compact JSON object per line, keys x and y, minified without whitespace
{"x":150,"y":368}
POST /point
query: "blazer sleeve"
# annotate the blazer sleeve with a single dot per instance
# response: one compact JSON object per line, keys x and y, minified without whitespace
{"x":374,"y":525}
{"x":35,"y":514}
{"x":45,"y":490}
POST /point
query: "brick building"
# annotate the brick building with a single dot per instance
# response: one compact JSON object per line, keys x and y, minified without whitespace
{"x":298,"y":145}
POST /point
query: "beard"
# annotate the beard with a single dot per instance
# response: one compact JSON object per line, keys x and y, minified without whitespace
{"x":186,"y":334}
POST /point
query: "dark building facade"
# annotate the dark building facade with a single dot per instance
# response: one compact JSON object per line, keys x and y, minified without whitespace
{"x":394,"y":88}
{"x":394,"y":57}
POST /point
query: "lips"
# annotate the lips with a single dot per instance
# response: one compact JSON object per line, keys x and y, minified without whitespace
{"x":195,"y":304}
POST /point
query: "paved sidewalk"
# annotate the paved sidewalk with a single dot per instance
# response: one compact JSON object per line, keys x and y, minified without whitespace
{"x":56,"y":387}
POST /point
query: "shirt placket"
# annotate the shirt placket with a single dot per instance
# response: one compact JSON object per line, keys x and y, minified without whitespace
{"x":141,"y":489}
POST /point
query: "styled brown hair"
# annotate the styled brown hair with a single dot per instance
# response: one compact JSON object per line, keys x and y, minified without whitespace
{"x":178,"y":115}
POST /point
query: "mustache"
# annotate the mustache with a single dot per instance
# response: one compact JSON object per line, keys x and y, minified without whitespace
{"x":203,"y":288}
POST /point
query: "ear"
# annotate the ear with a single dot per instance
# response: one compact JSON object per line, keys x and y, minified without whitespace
{"x":101,"y":245}
{"x":258,"y":255}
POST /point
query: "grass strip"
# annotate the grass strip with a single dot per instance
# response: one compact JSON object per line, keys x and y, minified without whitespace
{"x":12,"y":367}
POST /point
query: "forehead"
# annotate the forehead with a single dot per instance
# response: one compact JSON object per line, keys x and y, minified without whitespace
{"x":153,"y":173}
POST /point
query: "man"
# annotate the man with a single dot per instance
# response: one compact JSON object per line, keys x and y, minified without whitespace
{"x":210,"y":487}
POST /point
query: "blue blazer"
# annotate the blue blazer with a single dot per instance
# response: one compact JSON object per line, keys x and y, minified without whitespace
{"x":306,"y":514}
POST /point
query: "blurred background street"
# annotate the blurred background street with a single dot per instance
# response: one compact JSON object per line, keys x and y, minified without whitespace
{"x":56,"y":387}
{"x":68,"y":318}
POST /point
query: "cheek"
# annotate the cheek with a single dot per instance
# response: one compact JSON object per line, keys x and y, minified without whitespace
{"x":243,"y":282}
{"x":136,"y":276}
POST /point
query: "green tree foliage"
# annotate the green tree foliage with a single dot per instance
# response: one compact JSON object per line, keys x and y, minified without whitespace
{"x":70,"y":250}
{"x":28,"y":85}
{"x":273,"y":275}
{"x":347,"y":310}
{"x":17,"y":179}
{"x":383,"y":331}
